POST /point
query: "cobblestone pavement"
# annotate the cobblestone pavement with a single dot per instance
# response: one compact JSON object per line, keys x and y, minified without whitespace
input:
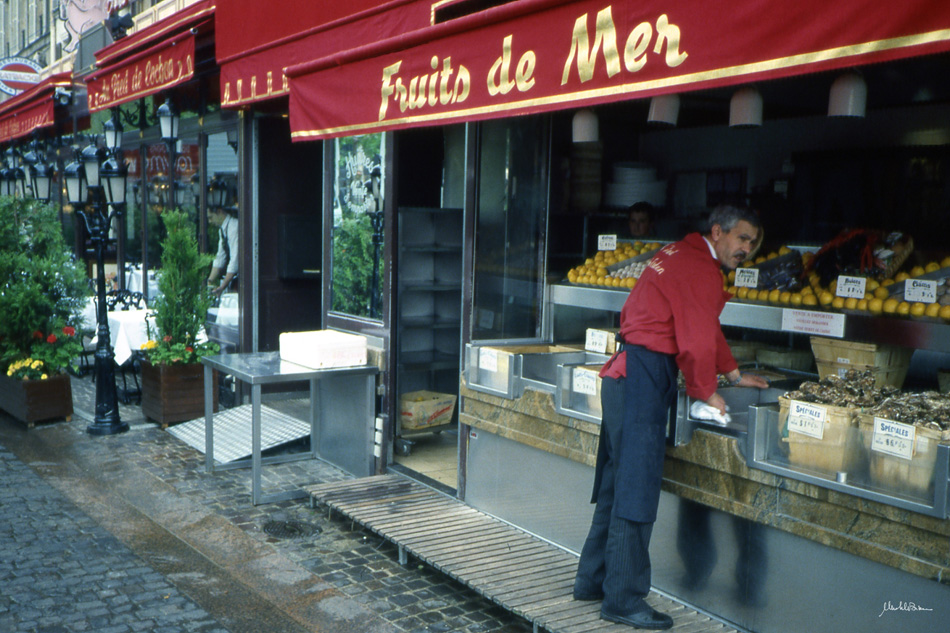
{"x":339,"y":578}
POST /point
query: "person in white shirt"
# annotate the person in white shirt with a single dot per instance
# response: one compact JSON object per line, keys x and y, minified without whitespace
{"x":227,"y":258}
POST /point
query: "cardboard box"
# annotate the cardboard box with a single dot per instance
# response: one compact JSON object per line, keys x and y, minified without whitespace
{"x":839,"y":449}
{"x":888,"y":363}
{"x":425,"y":409}
{"x":323,"y":349}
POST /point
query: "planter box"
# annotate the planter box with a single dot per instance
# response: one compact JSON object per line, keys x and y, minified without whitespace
{"x":174,"y":393}
{"x":33,"y":401}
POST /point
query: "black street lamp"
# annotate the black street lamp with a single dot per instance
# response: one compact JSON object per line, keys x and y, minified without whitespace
{"x":82,"y":181}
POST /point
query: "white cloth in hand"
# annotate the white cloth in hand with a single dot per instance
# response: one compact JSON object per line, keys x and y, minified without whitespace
{"x":702,"y":411}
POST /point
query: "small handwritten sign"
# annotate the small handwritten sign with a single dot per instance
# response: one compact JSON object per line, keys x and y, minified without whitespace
{"x":851,"y":287}
{"x":922,"y":290}
{"x":807,"y":419}
{"x":893,"y":438}
{"x":585,"y":382}
{"x":813,"y":322}
{"x":747,"y":277}
{"x":596,"y":341}
{"x":488,"y":359}
{"x":607,"y":242}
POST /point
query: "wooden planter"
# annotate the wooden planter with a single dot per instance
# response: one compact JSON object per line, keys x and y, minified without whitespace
{"x":33,"y":401}
{"x":174,"y":393}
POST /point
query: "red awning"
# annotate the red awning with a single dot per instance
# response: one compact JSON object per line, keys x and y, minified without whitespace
{"x":32,"y":109}
{"x":154,"y":59}
{"x":531,"y":56}
{"x":252,"y":61}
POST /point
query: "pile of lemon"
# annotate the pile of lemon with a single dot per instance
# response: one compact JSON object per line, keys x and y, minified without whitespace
{"x":594,"y":271}
{"x":877,"y":299}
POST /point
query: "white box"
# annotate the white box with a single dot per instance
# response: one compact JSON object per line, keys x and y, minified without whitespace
{"x":323,"y":349}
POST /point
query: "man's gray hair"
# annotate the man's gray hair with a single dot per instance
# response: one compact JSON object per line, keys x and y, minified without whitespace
{"x":727,"y":216}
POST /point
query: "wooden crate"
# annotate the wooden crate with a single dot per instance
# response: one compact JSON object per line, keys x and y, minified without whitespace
{"x":888,"y":363}
{"x":838,"y":450}
{"x":915,"y":476}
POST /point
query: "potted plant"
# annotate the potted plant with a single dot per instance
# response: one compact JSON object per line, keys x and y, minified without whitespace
{"x":42,"y":292}
{"x":172,"y":373}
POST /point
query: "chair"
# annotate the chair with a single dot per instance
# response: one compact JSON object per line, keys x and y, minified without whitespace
{"x":125,"y":300}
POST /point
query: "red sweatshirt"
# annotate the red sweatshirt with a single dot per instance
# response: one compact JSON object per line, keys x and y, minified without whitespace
{"x":674,"y":309}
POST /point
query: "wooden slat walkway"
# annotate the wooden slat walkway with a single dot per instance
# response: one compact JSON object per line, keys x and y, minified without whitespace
{"x":524,"y":574}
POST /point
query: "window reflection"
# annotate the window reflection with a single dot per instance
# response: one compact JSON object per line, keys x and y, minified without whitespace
{"x":512,"y":205}
{"x":357,"y":238}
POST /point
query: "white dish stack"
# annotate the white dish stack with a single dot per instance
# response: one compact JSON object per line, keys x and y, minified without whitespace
{"x":632,"y":183}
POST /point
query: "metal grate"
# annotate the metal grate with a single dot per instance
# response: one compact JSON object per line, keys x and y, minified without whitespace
{"x":290,"y":529}
{"x":526,"y":575}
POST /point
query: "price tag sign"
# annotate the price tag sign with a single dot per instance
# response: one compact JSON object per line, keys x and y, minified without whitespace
{"x":747,"y":277}
{"x":607,"y":242}
{"x":585,"y":382}
{"x":893,"y":438}
{"x":922,"y":290}
{"x":488,"y":359}
{"x":596,"y":341}
{"x":807,"y":418}
{"x":851,"y":287}
{"x":813,"y":322}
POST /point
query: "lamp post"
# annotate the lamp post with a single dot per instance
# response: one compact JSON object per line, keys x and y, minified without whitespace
{"x":168,"y":120}
{"x":83,"y":180}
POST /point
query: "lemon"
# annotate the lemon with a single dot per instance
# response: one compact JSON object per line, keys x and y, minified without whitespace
{"x":931,"y":267}
{"x":753,"y":295}
{"x":771,"y":255}
{"x":932,"y":310}
{"x":903,"y":308}
{"x":944,"y":313}
{"x":784,"y":250}
{"x":945,"y":262}
{"x":785,"y":297}
{"x":918,"y":308}
{"x":731,"y":276}
{"x":826,"y":298}
{"x":601,"y":271}
{"x":871,"y":285}
{"x":881,"y":292}
{"x":916,"y":271}
{"x":796,"y":299}
{"x":863,"y":304}
{"x":808,"y":290}
{"x":809,"y":300}
{"x":851,"y":303}
{"x":890,"y":305}
{"x":837,"y":303}
{"x":742,"y":292}
{"x":774,"y":295}
{"x":760,"y":259}
{"x":899,"y":277}
{"x":732,"y":290}
{"x":876,"y":305}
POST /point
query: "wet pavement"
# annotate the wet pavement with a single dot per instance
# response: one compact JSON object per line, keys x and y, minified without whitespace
{"x":129,"y":533}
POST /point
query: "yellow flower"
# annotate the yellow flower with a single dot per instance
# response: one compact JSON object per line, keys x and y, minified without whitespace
{"x":43,"y":377}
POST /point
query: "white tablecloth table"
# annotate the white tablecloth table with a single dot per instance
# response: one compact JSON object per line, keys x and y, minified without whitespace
{"x":128,"y":332}
{"x":133,"y":281}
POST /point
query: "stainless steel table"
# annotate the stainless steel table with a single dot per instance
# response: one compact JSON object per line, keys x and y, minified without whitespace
{"x":342,"y":414}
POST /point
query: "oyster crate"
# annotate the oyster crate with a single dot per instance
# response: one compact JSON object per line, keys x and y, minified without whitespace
{"x":838,"y":450}
{"x":913,"y":476}
{"x":888,"y":363}
{"x":425,"y":409}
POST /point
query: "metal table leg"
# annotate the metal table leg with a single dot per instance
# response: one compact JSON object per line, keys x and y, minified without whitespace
{"x":256,"y":444}
{"x":209,"y":419}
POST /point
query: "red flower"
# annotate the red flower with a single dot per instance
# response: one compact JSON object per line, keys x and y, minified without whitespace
{"x":167,"y":338}
{"x":51,"y":339}
{"x":69,"y":330}
{"x":37,"y":334}
{"x":189,"y":349}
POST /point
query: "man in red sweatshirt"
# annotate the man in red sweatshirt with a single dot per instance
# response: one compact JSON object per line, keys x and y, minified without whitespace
{"x":670,"y":321}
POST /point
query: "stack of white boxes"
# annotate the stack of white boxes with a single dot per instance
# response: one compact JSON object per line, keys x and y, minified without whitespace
{"x":323,"y":349}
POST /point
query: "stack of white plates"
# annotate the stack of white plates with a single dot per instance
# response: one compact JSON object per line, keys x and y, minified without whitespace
{"x":632,"y":183}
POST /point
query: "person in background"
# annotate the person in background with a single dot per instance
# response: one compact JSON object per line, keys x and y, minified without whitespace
{"x":226,"y":259}
{"x":670,"y":321}
{"x":640,"y":219}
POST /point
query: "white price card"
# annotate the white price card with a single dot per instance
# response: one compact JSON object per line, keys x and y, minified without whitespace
{"x":851,"y":287}
{"x":813,"y":322}
{"x":747,"y":277}
{"x":585,"y":382}
{"x":607,"y":242}
{"x":596,"y":341}
{"x":807,"y":419}
{"x":893,"y":438}
{"x":488,"y":359}
{"x":922,"y":290}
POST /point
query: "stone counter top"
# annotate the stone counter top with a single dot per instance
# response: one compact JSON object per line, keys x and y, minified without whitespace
{"x":711,"y":470}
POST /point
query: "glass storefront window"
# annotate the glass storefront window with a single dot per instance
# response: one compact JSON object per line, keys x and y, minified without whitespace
{"x":357,"y":261}
{"x":509,"y":236}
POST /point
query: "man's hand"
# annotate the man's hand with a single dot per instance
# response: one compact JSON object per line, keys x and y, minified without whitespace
{"x":738,"y":379}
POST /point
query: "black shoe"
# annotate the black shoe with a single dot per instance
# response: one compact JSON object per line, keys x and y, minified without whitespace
{"x":589,"y":597}
{"x":643,"y":617}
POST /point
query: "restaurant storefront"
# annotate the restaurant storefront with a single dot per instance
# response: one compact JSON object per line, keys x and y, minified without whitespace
{"x":455,"y":157}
